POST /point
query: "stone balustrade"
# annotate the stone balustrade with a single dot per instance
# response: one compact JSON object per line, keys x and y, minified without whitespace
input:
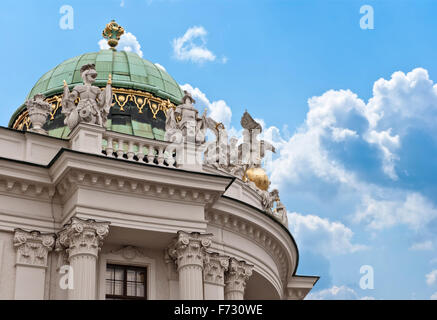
{"x":132,"y":148}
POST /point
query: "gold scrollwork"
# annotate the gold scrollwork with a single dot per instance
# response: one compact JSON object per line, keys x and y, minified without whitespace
{"x":121,"y":97}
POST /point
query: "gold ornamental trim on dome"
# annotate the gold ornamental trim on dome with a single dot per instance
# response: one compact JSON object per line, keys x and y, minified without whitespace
{"x":120,"y":98}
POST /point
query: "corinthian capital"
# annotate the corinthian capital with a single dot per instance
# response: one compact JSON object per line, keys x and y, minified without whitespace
{"x":33,"y":247}
{"x":189,"y":248}
{"x":83,"y":237}
{"x":214,"y":269}
{"x":237,"y":275}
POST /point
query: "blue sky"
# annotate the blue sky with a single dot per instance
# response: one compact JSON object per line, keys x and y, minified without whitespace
{"x":352,"y":112}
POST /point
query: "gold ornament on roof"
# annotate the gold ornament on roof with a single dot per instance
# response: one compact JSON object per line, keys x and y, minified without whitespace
{"x":258,"y":176}
{"x":112,"y":32}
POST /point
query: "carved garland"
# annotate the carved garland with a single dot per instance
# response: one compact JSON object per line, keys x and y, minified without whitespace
{"x":120,"y":96}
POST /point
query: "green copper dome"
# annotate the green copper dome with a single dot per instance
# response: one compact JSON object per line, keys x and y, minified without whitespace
{"x":129,"y":72}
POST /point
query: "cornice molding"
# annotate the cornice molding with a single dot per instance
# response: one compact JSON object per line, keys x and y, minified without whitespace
{"x":28,"y":188}
{"x":120,"y":184}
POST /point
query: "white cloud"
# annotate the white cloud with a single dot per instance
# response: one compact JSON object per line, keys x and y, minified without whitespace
{"x":321,"y":235}
{"x":431,"y":277}
{"x":218,"y":110}
{"x":192,"y":46}
{"x":160,"y":66}
{"x":122,"y":3}
{"x":387,"y":144}
{"x":422,"y":246}
{"x":404,"y":102}
{"x":312,"y":158}
{"x":340,"y":134}
{"x":304,"y":154}
{"x":434,"y":296}
{"x":414,"y":211}
{"x":128,"y":42}
{"x":336,"y":293}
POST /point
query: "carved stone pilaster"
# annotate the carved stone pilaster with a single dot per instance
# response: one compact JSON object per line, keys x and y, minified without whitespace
{"x":83,"y":237}
{"x":236,"y":278}
{"x":33,"y":247}
{"x":214,"y":269}
{"x":188,"y":252}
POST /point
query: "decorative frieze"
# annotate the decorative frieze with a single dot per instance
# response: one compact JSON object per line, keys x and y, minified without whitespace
{"x":33,"y":247}
{"x":214,"y":269}
{"x":129,"y":252}
{"x":236,"y":278}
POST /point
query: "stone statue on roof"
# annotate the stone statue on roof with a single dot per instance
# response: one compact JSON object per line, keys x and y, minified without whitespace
{"x":186,"y":120}
{"x":94,"y":104}
{"x":252,"y":150}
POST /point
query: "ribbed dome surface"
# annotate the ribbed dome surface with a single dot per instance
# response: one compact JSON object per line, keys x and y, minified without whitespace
{"x":128,"y":71}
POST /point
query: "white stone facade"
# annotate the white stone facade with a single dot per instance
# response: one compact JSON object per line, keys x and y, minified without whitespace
{"x":199,"y":234}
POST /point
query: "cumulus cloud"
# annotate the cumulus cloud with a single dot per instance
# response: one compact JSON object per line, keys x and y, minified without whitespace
{"x":434,"y":296}
{"x":398,"y":105}
{"x":321,"y":235}
{"x":337,"y":293}
{"x":414,"y":211}
{"x":346,"y":144}
{"x":192,"y":46}
{"x":128,"y":42}
{"x":431,"y":277}
{"x":218,"y":110}
{"x":422,"y":246}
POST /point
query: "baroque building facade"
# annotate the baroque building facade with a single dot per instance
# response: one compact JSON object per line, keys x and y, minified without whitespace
{"x":110,"y":189}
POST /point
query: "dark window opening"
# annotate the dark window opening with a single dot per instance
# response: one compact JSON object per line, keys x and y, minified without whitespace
{"x":126,"y":282}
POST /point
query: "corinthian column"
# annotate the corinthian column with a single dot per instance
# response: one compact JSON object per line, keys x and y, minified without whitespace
{"x":236,"y":278}
{"x":82,"y":240}
{"x":31,"y":263}
{"x":188,"y":251}
{"x":215,"y":266}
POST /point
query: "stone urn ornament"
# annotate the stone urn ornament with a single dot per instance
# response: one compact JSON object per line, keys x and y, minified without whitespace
{"x":38,"y":110}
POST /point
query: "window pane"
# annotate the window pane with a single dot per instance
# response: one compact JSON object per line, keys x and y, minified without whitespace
{"x":118,"y":288}
{"x":140,"y":276}
{"x":131,"y":289}
{"x":130,"y":275}
{"x":140,"y":290}
{"x":109,"y":273}
{"x":119,"y":274}
{"x":109,"y":287}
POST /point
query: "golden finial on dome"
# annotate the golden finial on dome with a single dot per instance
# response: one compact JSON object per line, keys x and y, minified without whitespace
{"x":113,"y":31}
